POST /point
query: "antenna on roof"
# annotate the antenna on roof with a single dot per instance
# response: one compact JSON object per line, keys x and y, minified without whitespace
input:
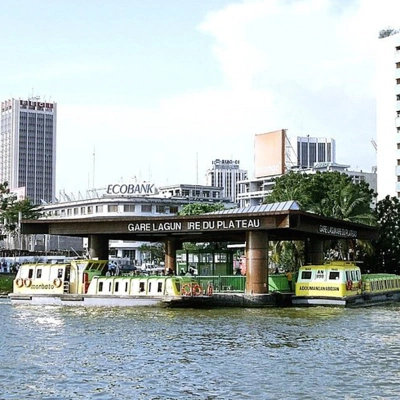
{"x":94,"y":164}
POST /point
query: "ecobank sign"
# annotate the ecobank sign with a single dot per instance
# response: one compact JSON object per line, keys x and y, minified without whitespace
{"x":132,"y":188}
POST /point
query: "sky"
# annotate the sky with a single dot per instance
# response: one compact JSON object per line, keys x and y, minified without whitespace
{"x":155,"y":90}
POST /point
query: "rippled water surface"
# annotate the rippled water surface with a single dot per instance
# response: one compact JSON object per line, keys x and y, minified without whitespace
{"x":151,"y":353}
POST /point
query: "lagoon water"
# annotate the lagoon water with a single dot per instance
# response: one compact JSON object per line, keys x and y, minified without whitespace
{"x":151,"y":353}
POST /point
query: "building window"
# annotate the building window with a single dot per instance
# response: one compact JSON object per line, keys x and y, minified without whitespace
{"x":146,"y":208}
{"x":69,"y":212}
{"x":129,"y":208}
{"x":99,"y":209}
{"x":173,"y":209}
{"x":90,"y":210}
{"x":83,"y":211}
{"x":398,"y":65}
{"x":398,"y":81}
{"x":398,"y":146}
{"x":76,"y":211}
{"x":398,"y":96}
{"x":398,"y":162}
{"x":160,"y":209}
{"x":112,"y":208}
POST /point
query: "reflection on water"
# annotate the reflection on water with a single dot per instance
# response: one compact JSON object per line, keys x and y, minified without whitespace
{"x":151,"y":353}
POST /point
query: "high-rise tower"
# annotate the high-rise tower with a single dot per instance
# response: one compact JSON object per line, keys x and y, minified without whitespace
{"x":28,"y":147}
{"x":312,"y":150}
{"x":226,"y":174}
{"x":388,"y":116}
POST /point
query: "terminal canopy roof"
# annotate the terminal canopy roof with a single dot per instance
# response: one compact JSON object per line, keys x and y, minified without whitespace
{"x":280,"y":221}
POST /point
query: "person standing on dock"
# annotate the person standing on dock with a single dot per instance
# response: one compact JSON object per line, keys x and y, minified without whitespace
{"x":289,"y":277}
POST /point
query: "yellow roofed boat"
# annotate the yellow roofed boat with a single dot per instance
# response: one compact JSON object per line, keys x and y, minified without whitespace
{"x":340,"y":283}
{"x":86,"y":282}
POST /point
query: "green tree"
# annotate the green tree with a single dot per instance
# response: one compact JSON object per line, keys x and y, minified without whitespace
{"x":329,"y":194}
{"x":387,"y":245}
{"x":200,"y":208}
{"x":11,"y":210}
{"x":153,"y":252}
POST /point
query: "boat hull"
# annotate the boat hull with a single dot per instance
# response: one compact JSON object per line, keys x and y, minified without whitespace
{"x":109,"y":301}
{"x":362,"y":300}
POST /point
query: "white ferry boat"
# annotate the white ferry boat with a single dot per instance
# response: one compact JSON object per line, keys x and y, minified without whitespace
{"x":85,"y":283}
{"x":340,"y":283}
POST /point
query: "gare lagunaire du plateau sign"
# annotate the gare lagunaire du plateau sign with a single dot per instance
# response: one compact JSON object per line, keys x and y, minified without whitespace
{"x":204,"y":225}
{"x":230,"y":224}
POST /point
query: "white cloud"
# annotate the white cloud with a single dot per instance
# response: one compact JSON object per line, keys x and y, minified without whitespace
{"x":307,"y":66}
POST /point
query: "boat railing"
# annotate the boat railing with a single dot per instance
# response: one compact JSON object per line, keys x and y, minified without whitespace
{"x":228,"y":283}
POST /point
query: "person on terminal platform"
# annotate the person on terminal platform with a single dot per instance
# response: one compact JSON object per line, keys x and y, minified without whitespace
{"x":289,"y":277}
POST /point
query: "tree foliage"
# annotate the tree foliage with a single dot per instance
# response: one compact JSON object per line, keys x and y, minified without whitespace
{"x":11,"y":210}
{"x":200,"y":208}
{"x":329,"y":194}
{"x":387,"y":245}
{"x":154,"y":252}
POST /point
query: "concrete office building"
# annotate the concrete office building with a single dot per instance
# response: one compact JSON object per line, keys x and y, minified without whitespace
{"x":312,"y":150}
{"x":129,"y":199}
{"x":227,"y":175}
{"x":388,"y":116}
{"x":28,"y":148}
{"x":276,"y":154}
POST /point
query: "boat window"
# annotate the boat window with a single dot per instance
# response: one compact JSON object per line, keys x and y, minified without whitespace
{"x":159,"y":287}
{"x":30,"y":273}
{"x":334,"y":275}
{"x":100,"y":286}
{"x":39,"y":273}
{"x":110,"y":286}
{"x":348,"y":276}
{"x":126,"y":286}
{"x":141,"y":287}
{"x":60,"y":273}
{"x":116,"y":286}
{"x":149,"y":286}
{"x":305,"y":274}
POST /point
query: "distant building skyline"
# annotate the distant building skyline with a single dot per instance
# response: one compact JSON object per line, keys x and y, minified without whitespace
{"x":28,"y":148}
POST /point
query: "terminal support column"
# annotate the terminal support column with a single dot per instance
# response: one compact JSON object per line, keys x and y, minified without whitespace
{"x":256,"y":262}
{"x":171,"y":245}
{"x":98,"y":247}
{"x":314,"y":251}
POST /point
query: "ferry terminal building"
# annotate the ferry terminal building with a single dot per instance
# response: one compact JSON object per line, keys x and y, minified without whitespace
{"x":255,"y":226}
